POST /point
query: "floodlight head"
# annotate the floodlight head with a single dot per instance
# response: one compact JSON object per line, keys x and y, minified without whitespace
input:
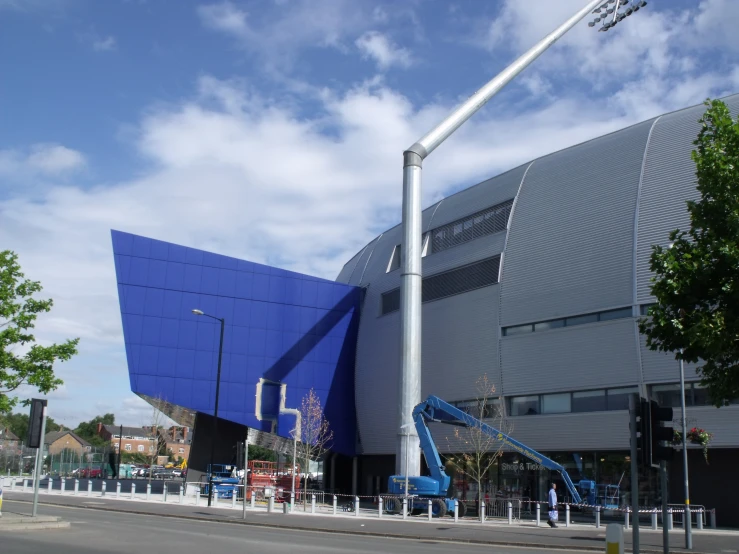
{"x":592,"y":23}
{"x":198,"y":312}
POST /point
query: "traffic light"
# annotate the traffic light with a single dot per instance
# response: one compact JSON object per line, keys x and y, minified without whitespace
{"x":661,"y":431}
{"x":642,"y":432}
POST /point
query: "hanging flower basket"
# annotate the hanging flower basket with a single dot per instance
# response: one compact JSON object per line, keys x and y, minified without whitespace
{"x":695,"y":436}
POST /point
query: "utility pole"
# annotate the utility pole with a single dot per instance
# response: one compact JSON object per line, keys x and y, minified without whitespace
{"x":633,"y":407}
{"x":665,"y":529}
{"x":688,"y":520}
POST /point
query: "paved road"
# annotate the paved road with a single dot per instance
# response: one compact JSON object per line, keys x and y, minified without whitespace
{"x":525,"y":534}
{"x":99,"y":531}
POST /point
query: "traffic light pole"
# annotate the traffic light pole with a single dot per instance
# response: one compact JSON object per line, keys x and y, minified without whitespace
{"x":633,"y":407}
{"x":688,"y":520}
{"x":665,"y":527}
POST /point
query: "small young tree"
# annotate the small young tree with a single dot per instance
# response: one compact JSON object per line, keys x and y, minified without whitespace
{"x":22,"y":361}
{"x":479,"y":451}
{"x":314,"y":434}
{"x":696,"y":282}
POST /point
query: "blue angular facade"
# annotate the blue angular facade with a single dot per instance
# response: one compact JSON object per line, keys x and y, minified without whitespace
{"x":284,"y":332}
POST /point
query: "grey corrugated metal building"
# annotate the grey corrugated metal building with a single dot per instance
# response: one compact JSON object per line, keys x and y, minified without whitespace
{"x":537,"y":277}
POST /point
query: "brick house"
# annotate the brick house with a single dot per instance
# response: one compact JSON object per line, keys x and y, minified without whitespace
{"x":177,"y":442}
{"x":8,"y":440}
{"x":66,"y":440}
{"x":133,"y":439}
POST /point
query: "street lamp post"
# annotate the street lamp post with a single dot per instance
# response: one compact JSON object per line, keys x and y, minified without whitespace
{"x":688,"y":520}
{"x":215,"y":408}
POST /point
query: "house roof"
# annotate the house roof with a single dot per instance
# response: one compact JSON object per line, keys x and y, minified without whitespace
{"x":176,"y":434}
{"x":127,"y":431}
{"x":56,"y":435}
{"x":7,"y":434}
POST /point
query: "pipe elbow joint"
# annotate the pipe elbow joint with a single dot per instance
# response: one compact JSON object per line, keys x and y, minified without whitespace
{"x":414,"y":155}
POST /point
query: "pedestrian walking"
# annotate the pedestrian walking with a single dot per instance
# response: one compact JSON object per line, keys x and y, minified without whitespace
{"x":553,"y":514}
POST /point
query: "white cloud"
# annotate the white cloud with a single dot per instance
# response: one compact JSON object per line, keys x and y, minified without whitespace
{"x":224,"y":17}
{"x":40,"y":159}
{"x":383,"y":51}
{"x":104,"y":44}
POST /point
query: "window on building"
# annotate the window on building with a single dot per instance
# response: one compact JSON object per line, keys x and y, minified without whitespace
{"x":547,"y":325}
{"x":141,"y":448}
{"x":489,"y":221}
{"x":128,"y":448}
{"x":614,"y":314}
{"x":669,"y":395}
{"x":151,"y":449}
{"x":518,"y":330}
{"x":618,"y":399}
{"x":700,"y":396}
{"x":589,"y":401}
{"x":475,"y":408}
{"x":524,"y":405}
{"x":581,"y":319}
{"x":394,"y":262}
{"x":644,"y":308}
{"x":390,"y":302}
{"x":556,"y":403}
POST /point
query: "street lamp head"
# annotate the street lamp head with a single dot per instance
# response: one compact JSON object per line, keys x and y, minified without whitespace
{"x":197,"y":312}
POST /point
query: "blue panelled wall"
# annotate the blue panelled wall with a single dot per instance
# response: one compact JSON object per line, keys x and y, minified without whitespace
{"x":282,"y":328}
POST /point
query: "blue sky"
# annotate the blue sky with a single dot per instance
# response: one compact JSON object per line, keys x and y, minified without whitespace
{"x":273,"y":130}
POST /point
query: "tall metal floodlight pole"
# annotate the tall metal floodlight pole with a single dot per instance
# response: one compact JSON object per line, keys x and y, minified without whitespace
{"x":215,"y":408}
{"x":410,"y":284}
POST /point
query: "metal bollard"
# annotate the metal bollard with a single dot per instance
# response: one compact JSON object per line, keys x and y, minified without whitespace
{"x":482,"y":512}
{"x":356,"y":506}
{"x":25,"y":485}
{"x":654,"y":521}
{"x":253,"y":499}
{"x":335,"y":504}
{"x":669,"y":520}
{"x":233,"y":498}
{"x":614,"y":539}
{"x":61,"y":489}
{"x":292,"y":502}
{"x":76,"y":486}
{"x":597,"y":517}
{"x":89,"y":487}
{"x":713,"y":518}
{"x":456,"y":510}
{"x":105,"y":485}
{"x":197,"y":496}
{"x":379,"y":507}
{"x":699,"y":519}
{"x":182,"y":496}
{"x":626,"y":518}
{"x":431,"y":515}
{"x":48,"y":486}
{"x":164,"y":492}
{"x":118,"y":490}
{"x":148,"y":491}
{"x":313,"y":503}
{"x":133,"y":491}
{"x":567,"y":515}
{"x":405,"y":508}
{"x":510,"y":514}
{"x":538,"y":515}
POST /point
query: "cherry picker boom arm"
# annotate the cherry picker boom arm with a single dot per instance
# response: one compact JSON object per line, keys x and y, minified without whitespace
{"x":436,"y":410}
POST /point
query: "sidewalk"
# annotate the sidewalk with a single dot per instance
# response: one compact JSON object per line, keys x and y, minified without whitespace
{"x":496,"y":532}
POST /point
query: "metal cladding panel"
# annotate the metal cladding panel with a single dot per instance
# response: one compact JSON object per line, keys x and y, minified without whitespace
{"x":568,"y":432}
{"x":669,"y":181}
{"x":484,"y":195}
{"x":590,"y":356}
{"x":722,"y":422}
{"x":346,"y":271}
{"x":376,"y":265}
{"x":467,"y":253}
{"x":358,"y":269}
{"x":291,"y":330}
{"x":376,"y":373}
{"x":662,"y":367}
{"x":460,"y":343}
{"x":570,"y":243}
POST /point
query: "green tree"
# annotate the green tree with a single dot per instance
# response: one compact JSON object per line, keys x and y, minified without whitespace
{"x":22,"y":361}
{"x":696,"y":279}
{"x":88,"y":430}
{"x":18,"y":424}
{"x":257,"y":452}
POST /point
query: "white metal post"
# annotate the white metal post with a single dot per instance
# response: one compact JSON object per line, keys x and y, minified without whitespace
{"x":510,"y":513}
{"x":39,"y":463}
{"x":252,"y":499}
{"x":567,"y":515}
{"x":104,"y":486}
{"x":356,"y":506}
{"x":313,"y":503}
{"x":482,"y":512}
{"x":133,"y":491}
{"x":118,"y":489}
{"x":89,"y":487}
{"x":334,"y":505}
{"x":76,"y":486}
{"x":699,"y":519}
{"x":597,"y":517}
{"x":405,"y":508}
{"x":61,"y":489}
{"x":626,"y":519}
{"x":379,"y":507}
{"x":538,"y":515}
{"x":49,"y":484}
{"x":233,"y":498}
{"x":148,"y":491}
{"x":654,"y":521}
{"x":431,"y":515}
{"x":456,"y":510}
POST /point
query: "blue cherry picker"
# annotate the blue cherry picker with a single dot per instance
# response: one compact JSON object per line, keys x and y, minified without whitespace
{"x":435,"y":486}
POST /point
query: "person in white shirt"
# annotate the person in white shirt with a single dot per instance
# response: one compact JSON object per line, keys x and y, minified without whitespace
{"x":553,"y":514}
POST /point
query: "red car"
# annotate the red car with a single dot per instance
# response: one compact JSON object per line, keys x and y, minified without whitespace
{"x":91,"y":473}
